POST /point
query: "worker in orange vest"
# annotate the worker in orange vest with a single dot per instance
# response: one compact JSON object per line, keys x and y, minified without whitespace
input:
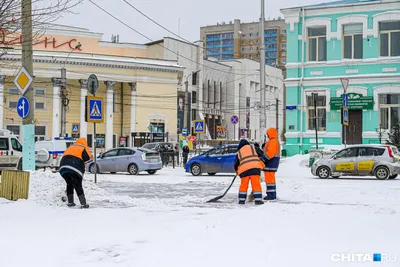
{"x":248,"y":165}
{"x":272,"y":150}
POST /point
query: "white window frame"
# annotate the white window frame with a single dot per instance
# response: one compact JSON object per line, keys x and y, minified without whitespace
{"x":384,"y":17}
{"x":387,"y":106}
{"x":352,"y":19}
{"x":352,"y":43}
{"x":312,"y":108}
{"x":321,"y":91}
{"x":316,"y":45}
{"x":41,"y":137}
{"x":15,"y":125}
{"x":389,"y":33}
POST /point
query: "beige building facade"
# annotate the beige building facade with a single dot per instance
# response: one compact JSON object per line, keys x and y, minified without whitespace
{"x":139,"y":93}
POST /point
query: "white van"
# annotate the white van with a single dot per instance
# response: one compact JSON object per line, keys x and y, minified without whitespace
{"x":10,"y":151}
{"x":48,"y":154}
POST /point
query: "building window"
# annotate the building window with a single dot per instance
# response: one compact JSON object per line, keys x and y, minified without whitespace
{"x":242,"y":49}
{"x":320,"y":112}
{"x":194,"y":97}
{"x":251,"y":49}
{"x":12,"y":104}
{"x":251,"y":57}
{"x":353,"y":41}
{"x":389,"y":38}
{"x":251,"y":34}
{"x":283,"y":47}
{"x":115,"y":102}
{"x":15,"y":129}
{"x":389,"y":110}
{"x":40,"y":133}
{"x":251,"y":42}
{"x":283,"y":32}
{"x":317,"y":44}
{"x":40,"y":98}
{"x":243,"y":42}
{"x":194,"y":114}
{"x":90,"y":140}
{"x":13,"y":91}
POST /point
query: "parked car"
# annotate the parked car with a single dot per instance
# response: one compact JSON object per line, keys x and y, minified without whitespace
{"x":216,"y":160}
{"x":48,"y":153}
{"x":381,"y":161}
{"x":10,"y":151}
{"x":131,"y":160}
{"x":160,"y":146}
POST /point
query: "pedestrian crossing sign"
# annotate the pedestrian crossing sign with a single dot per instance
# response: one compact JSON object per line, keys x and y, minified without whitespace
{"x":199,"y":127}
{"x":95,"y":108}
{"x":75,"y":128}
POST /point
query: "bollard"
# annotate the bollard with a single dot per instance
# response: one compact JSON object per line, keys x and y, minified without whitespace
{"x":14,"y":185}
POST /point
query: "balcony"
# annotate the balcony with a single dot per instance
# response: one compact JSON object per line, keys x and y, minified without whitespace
{"x":210,"y":39}
{"x":230,"y":51}
{"x":270,"y":34}
{"x":211,"y":53}
{"x":227,"y":45}
{"x":213,"y":46}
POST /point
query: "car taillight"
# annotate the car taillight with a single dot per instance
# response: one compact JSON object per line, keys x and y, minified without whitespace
{"x":144,"y":157}
{"x":390,"y":152}
{"x":55,"y":156}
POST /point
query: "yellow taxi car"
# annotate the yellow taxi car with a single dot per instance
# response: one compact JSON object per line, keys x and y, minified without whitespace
{"x":381,"y":161}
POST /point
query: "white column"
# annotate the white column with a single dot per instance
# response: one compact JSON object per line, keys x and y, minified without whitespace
{"x":109,"y":114}
{"x":133,"y":106}
{"x":83,"y":128}
{"x":56,"y":107}
{"x":2,"y":78}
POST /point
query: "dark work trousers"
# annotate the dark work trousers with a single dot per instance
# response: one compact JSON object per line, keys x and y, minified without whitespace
{"x":73,"y":182}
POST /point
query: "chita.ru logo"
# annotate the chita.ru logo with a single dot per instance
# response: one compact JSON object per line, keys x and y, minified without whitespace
{"x":363,"y":257}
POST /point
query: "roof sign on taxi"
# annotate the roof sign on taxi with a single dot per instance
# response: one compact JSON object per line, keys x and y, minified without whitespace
{"x":23,"y":80}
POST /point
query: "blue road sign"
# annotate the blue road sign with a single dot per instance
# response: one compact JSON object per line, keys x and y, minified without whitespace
{"x":23,"y":107}
{"x":235,"y":119}
{"x":75,"y":128}
{"x":345,"y":100}
{"x":199,"y":127}
{"x":184,"y":132}
{"x":346,"y":116}
{"x":96,"y":109}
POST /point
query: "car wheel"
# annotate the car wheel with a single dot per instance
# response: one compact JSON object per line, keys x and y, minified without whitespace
{"x":151,"y":172}
{"x":133,"y":169}
{"x":323,"y":172}
{"x":19,"y":165}
{"x":196,"y":169}
{"x":393,"y":177}
{"x":382,"y":173}
{"x":93,"y":168}
{"x":212,"y":173}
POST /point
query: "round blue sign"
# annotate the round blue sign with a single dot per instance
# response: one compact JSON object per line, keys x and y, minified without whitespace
{"x":235,"y":119}
{"x":23,"y":107}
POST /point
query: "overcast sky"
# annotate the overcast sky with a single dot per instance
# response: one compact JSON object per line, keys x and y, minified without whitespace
{"x":192,"y":14}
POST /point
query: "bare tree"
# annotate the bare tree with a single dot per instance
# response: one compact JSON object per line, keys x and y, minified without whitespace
{"x":44,"y":12}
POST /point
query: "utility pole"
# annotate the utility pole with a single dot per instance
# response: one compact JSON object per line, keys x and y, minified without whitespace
{"x":185,"y":114}
{"x":28,"y":127}
{"x":263,"y":125}
{"x":315,"y":97}
{"x":64,"y":102}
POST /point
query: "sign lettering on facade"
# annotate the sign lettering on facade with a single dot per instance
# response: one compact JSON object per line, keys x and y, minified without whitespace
{"x":355,"y":101}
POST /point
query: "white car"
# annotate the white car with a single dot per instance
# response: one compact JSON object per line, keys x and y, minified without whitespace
{"x":10,"y":151}
{"x":48,"y":154}
{"x":381,"y":161}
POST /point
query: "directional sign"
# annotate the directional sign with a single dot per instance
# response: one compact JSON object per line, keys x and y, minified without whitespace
{"x":235,"y":119}
{"x":75,"y":128}
{"x":346,"y":116}
{"x":95,"y":109}
{"x":345,"y":84}
{"x":23,"y":80}
{"x":93,"y":84}
{"x":23,"y":107}
{"x":199,"y":127}
{"x":184,"y":132}
{"x":345,"y":100}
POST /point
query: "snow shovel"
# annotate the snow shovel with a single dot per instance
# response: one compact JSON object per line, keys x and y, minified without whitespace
{"x":226,"y":191}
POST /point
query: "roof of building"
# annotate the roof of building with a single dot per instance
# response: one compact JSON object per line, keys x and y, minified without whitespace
{"x":340,"y":3}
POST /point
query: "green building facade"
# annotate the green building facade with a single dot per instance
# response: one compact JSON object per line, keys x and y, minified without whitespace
{"x":351,"y":39}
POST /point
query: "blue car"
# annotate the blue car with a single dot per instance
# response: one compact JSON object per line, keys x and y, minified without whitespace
{"x":216,"y":160}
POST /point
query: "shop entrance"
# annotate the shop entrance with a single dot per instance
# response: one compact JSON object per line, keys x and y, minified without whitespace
{"x":354,"y":130}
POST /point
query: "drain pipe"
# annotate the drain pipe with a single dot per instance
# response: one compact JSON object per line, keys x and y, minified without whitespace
{"x":301,"y":80}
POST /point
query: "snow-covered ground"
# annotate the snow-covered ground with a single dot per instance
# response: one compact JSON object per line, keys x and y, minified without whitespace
{"x":163,"y":220}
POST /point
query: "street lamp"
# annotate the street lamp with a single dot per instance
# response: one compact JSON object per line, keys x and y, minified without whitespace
{"x":187,"y":99}
{"x":315,"y":97}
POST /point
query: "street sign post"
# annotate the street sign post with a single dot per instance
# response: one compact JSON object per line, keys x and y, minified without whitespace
{"x":95,"y":112}
{"x":23,"y":80}
{"x":184,"y":131}
{"x":345,"y":122}
{"x":93,"y":84}
{"x":23,"y":107}
{"x":234,"y":121}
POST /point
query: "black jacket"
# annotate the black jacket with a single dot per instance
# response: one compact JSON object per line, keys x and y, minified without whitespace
{"x":260,"y":154}
{"x":185,"y":150}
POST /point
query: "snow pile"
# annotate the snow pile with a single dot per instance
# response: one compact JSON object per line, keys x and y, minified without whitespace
{"x":47,"y":189}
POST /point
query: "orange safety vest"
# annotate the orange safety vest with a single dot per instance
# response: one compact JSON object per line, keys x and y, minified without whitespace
{"x":249,"y":159}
